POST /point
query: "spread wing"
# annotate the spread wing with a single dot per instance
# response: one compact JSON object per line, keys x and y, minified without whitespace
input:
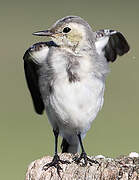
{"x":111,"y":43}
{"x":32,"y":57}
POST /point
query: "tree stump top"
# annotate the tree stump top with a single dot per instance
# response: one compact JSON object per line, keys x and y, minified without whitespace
{"x":122,"y":168}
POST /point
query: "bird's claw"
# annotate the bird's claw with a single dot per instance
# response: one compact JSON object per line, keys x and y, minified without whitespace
{"x":86,"y":159}
{"x":55,"y":163}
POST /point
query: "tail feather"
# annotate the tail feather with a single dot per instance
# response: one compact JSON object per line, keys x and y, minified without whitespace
{"x":69,"y":148}
{"x":64,"y":146}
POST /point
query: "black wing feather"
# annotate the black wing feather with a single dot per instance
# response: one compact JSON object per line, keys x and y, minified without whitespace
{"x":30,"y":69}
{"x":117,"y":45}
{"x":110,"y":52}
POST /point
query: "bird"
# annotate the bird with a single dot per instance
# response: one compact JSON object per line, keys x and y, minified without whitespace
{"x":66,"y":78}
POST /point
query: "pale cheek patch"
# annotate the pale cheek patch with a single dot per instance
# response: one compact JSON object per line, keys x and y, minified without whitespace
{"x":75,"y":36}
{"x":77,"y":32}
{"x":40,"y":55}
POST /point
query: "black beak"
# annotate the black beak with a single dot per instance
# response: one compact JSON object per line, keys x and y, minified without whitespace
{"x":43,"y":33}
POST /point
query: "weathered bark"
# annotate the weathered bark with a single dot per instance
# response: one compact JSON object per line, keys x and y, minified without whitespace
{"x":123,"y":168}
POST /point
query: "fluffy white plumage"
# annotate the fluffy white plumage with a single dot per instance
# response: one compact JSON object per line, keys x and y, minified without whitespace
{"x":40,"y":55}
{"x":101,"y":43}
{"x":69,"y":78}
{"x":77,"y":104}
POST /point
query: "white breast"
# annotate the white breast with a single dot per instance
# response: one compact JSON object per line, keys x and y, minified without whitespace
{"x":75,"y":103}
{"x":78,"y":103}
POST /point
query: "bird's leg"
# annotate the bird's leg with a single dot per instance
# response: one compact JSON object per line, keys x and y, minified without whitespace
{"x":83,"y":155}
{"x":56,"y":159}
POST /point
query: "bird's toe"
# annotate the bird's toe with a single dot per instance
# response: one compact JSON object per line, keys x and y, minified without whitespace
{"x":55,"y":163}
{"x":85,"y":159}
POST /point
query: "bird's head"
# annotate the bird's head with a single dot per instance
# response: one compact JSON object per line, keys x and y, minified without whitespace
{"x":69,"y":32}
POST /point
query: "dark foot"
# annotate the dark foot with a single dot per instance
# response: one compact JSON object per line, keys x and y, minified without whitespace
{"x":86,"y":160}
{"x":56,"y":164}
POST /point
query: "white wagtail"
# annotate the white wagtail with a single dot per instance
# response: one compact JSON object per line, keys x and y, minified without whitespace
{"x":66,"y":78}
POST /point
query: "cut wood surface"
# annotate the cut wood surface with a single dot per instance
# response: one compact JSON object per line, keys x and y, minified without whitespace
{"x":122,"y":168}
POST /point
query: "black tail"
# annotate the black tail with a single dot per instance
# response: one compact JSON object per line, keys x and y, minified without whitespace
{"x":70,"y":148}
{"x":64,"y":146}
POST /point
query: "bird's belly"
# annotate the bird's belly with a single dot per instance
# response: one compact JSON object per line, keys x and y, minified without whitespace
{"x":75,"y":105}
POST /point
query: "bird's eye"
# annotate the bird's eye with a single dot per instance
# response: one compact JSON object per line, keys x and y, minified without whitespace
{"x":66,"y":30}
